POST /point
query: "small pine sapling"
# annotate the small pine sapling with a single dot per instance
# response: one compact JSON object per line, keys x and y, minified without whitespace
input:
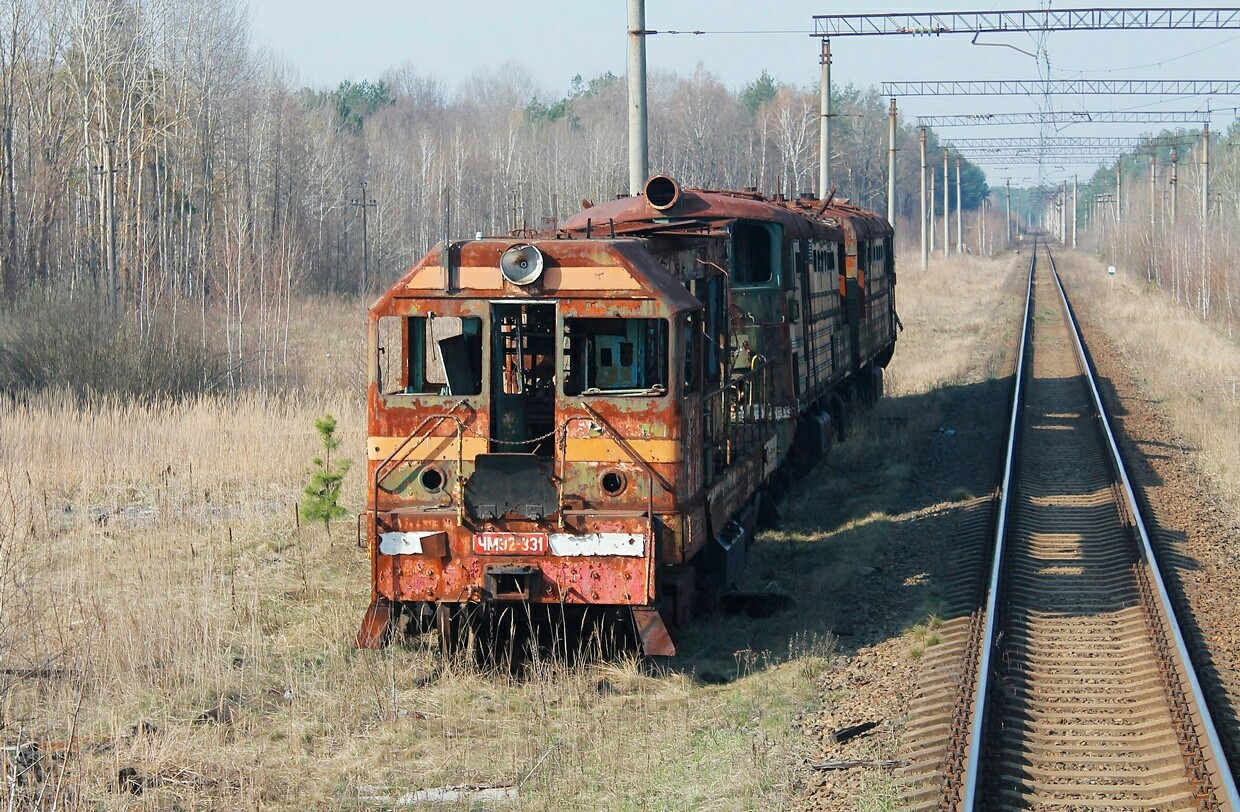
{"x":321,"y":499}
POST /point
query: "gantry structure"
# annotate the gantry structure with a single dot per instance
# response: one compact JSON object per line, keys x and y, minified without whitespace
{"x":826,"y":26}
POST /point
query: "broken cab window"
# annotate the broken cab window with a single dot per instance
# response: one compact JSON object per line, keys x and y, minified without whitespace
{"x":753,"y":253}
{"x":430,"y":355}
{"x":615,"y":357}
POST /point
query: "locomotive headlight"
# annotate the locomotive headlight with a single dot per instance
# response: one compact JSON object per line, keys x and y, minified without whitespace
{"x":521,"y":264}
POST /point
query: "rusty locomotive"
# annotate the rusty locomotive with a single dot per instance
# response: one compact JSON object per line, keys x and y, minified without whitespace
{"x":588,"y":419}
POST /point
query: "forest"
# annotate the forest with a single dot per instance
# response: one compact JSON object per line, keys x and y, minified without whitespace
{"x":159,"y":174}
{"x":1172,"y":229}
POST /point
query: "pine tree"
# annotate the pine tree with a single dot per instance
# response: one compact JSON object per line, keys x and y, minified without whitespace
{"x":321,"y":498}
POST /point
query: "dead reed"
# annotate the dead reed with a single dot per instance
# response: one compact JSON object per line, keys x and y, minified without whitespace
{"x":170,"y":638}
{"x":1189,"y":365}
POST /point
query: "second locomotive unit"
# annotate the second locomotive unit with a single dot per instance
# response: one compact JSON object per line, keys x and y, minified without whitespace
{"x":589,"y":419}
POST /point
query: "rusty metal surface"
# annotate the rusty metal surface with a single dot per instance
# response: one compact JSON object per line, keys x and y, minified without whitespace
{"x":682,"y":460}
{"x":801,"y":217}
{"x":376,"y":625}
{"x":459,"y":576}
{"x":656,"y":641}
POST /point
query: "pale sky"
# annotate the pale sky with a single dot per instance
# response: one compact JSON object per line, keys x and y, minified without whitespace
{"x":325,"y":43}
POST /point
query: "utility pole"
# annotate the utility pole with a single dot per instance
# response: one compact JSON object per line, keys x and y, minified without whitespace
{"x":1153,"y":188}
{"x":1008,"y":182}
{"x":364,"y":203}
{"x":959,"y":212}
{"x":1119,"y":200}
{"x":1175,"y":181}
{"x":934,"y":218}
{"x":925,"y":245}
{"x":981,"y":227}
{"x":1074,"y":201}
{"x":639,"y":155}
{"x":1205,"y":174}
{"x":514,"y":209}
{"x":824,"y":132}
{"x":109,"y":224}
{"x":1063,"y":213}
{"x":891,"y":164}
{"x":946,"y":209}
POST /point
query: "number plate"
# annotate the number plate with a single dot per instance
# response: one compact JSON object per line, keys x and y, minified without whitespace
{"x":510,"y":543}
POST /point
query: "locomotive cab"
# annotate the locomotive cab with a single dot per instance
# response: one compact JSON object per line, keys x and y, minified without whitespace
{"x":522,"y":435}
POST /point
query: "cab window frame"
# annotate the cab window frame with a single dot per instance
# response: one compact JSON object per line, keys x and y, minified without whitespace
{"x":774,"y":233}
{"x":567,"y":352}
{"x":396,"y":378}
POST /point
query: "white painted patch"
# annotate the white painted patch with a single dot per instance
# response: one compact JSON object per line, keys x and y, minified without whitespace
{"x":772,"y":456}
{"x":757,"y":412}
{"x":567,"y":544}
{"x":403,"y":543}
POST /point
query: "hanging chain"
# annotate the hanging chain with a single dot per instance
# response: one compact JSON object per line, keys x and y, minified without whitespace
{"x":560,"y":431}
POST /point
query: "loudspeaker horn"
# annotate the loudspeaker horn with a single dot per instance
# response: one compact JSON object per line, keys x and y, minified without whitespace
{"x":521,"y":264}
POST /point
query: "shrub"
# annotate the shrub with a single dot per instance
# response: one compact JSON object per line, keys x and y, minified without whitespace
{"x":321,"y":498}
{"x":70,"y":342}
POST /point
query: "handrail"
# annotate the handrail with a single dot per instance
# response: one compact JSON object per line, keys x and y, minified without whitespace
{"x":624,"y":444}
{"x":438,"y":419}
{"x":387,"y":465}
{"x":758,"y":384}
{"x":596,"y":419}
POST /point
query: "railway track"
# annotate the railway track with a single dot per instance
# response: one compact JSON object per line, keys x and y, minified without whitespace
{"x":1073,"y":688}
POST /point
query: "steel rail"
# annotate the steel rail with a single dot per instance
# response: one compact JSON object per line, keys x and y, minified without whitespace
{"x":1223,"y":781}
{"x":1224,"y":777}
{"x":973,"y":761}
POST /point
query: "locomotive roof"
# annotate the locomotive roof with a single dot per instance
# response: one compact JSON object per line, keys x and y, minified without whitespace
{"x":598,"y":269}
{"x":800,"y":218}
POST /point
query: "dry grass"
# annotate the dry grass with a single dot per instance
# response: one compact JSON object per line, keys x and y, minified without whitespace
{"x":955,"y":337}
{"x":160,"y":611}
{"x":954,"y":322}
{"x":1191,"y":368}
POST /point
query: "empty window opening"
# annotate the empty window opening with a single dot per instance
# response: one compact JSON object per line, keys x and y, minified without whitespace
{"x":752,"y":254}
{"x":523,"y":386}
{"x":615,"y":357}
{"x":430,"y":355}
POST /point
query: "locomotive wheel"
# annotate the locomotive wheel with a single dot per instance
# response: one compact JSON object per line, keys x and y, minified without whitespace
{"x":839,"y":417}
{"x":870,"y":386}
